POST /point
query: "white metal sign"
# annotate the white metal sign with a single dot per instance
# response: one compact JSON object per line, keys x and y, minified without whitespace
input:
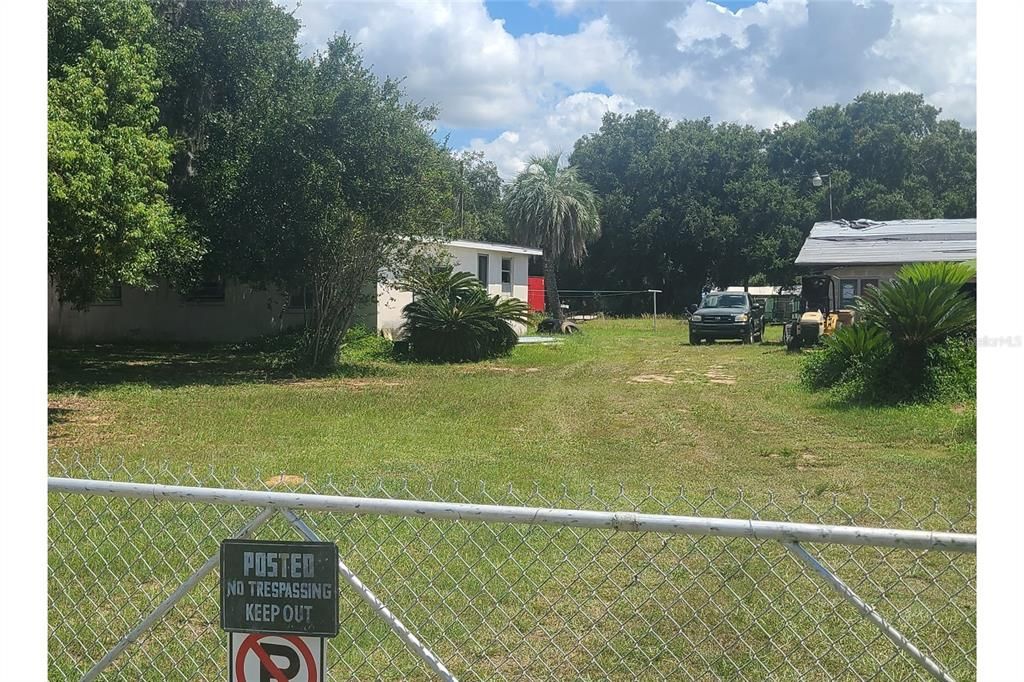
{"x":255,"y":657}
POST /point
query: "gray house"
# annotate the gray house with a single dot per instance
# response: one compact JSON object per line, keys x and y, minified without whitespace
{"x":859,"y":254}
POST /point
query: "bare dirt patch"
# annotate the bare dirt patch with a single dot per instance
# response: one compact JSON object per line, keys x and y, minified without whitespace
{"x":284,"y":480}
{"x":74,"y":419}
{"x":501,"y":370}
{"x":716,"y":375}
{"x":652,"y":379}
{"x":355,"y":384}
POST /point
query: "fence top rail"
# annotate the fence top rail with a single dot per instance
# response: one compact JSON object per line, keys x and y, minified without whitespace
{"x":783,"y":531}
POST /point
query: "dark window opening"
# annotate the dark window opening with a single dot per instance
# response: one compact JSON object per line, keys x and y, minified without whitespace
{"x":300,"y":297}
{"x":207,"y":291}
{"x":506,"y":275}
{"x":481,"y":267}
{"x":847,"y":292}
{"x":111,"y":296}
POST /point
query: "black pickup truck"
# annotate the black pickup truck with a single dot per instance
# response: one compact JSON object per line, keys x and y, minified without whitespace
{"x":727,"y":315}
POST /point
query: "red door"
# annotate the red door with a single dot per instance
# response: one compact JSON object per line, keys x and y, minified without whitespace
{"x":535,"y":293}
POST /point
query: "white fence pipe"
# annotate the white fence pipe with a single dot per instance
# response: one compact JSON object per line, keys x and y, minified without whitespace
{"x":622,"y":521}
{"x":869,"y":612}
{"x":165,"y":606}
{"x":397,"y":626}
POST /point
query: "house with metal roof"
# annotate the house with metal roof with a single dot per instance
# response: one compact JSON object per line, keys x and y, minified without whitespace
{"x":861,"y":253}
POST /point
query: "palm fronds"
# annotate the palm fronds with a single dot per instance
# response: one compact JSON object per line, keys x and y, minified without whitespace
{"x":922,"y":305}
{"x":453,"y":319}
{"x":553,"y":209}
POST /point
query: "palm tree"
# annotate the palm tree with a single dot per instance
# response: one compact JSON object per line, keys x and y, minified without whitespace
{"x":556,"y":211}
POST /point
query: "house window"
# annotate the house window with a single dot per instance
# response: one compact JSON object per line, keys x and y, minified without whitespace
{"x":207,"y":291}
{"x":506,"y":275}
{"x":481,"y":267}
{"x":300,"y":297}
{"x":111,"y":296}
{"x":847,"y":292}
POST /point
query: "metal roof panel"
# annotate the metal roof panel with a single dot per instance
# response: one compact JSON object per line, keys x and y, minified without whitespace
{"x":895,"y":241}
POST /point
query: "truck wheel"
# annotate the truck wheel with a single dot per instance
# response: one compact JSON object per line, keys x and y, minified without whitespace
{"x":694,"y":340}
{"x":760,"y":334}
{"x":748,"y":336}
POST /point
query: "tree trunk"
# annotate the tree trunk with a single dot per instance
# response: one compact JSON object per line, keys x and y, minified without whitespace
{"x":551,"y":289}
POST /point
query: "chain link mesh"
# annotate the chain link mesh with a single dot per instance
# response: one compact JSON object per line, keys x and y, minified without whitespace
{"x":506,"y":601}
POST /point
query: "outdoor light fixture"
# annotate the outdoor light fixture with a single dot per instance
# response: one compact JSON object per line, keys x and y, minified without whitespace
{"x":816,"y":181}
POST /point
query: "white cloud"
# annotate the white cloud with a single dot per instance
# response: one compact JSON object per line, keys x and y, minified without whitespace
{"x":556,"y":131}
{"x":764,"y":64}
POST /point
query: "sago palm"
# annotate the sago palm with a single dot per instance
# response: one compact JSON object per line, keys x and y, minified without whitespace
{"x":552,"y":209}
{"x":922,"y":305}
{"x":452,"y":318}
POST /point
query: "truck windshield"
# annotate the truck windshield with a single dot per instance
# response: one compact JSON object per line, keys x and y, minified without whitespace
{"x":724,"y":301}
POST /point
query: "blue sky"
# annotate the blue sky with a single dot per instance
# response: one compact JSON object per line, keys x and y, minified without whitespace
{"x":514,"y":79}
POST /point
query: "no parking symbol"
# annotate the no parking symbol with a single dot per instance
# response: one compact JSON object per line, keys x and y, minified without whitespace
{"x":275,"y":658}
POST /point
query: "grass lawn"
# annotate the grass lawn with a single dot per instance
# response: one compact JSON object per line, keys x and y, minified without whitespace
{"x":616,"y":405}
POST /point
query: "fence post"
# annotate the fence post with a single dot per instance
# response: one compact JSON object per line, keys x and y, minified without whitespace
{"x":654,"y":296}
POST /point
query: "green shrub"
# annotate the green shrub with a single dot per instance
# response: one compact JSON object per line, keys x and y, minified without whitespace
{"x":362,"y":343}
{"x":857,"y":346}
{"x":452,"y":318}
{"x":910,"y":343}
{"x":951,"y":370}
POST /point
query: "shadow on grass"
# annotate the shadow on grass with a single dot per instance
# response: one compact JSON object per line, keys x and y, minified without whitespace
{"x":91,"y":368}
{"x":58,"y":415}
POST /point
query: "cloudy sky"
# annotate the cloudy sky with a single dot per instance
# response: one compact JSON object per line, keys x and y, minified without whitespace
{"x":519,"y":78}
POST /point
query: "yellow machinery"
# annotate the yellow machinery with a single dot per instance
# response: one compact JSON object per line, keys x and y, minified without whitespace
{"x":818,"y":317}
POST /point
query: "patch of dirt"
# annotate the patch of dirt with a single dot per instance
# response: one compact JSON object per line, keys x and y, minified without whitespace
{"x":71,"y":419}
{"x":652,"y":379}
{"x":284,"y":479}
{"x":357,"y":384}
{"x":715,"y":375}
{"x":959,"y":408}
{"x":501,"y":370}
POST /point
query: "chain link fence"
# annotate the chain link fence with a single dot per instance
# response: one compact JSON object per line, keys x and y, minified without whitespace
{"x":518,"y":600}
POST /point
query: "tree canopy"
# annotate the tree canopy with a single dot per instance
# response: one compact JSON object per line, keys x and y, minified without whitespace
{"x":687,"y":204}
{"x":109,"y":218}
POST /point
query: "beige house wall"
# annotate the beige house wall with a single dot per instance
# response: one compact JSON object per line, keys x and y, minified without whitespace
{"x":163,"y":314}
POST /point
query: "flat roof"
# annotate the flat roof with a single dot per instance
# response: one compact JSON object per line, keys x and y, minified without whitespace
{"x":493,"y":246}
{"x":842,"y":242}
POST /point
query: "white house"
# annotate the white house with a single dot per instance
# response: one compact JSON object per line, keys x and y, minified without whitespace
{"x":860,"y":254}
{"x":502,"y":268}
{"x":220,"y":311}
